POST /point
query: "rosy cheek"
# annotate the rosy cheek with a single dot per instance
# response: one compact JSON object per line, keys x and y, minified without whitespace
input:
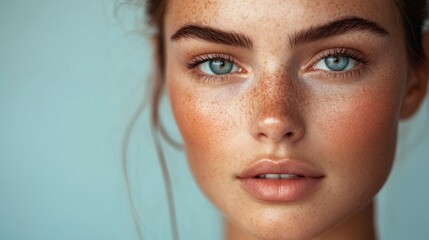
{"x":359,"y":134}
{"x":363,"y":119}
{"x":202,"y":123}
{"x":198,"y":124}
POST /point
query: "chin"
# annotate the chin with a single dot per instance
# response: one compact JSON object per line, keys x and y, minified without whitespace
{"x":279,"y":232}
{"x":274,"y":224}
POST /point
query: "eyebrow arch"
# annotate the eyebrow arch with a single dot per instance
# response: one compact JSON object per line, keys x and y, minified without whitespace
{"x":213,"y":35}
{"x":336,"y":27}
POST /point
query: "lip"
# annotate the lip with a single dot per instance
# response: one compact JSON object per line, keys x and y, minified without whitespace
{"x":280,"y":190}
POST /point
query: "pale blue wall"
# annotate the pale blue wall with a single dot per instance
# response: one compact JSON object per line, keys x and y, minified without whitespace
{"x":70,"y":80}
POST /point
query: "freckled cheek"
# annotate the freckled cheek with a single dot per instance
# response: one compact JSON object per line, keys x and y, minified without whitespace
{"x":362,"y":132}
{"x":200,"y":123}
{"x":205,"y":125}
{"x":363,"y":121}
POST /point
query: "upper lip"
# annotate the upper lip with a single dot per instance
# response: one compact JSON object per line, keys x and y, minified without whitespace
{"x":268,"y":166}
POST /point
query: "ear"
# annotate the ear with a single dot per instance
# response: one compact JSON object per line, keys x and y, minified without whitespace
{"x":417,"y":84}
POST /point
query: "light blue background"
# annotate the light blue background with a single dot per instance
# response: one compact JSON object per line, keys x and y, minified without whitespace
{"x":71,"y":77}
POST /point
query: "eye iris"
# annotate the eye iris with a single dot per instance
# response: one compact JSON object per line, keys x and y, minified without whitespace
{"x":337,"y":63}
{"x":220,"y":67}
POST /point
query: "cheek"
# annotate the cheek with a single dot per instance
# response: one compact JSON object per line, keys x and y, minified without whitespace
{"x":358,"y":137}
{"x":361,"y":122}
{"x":200,"y":120}
{"x":205,"y":125}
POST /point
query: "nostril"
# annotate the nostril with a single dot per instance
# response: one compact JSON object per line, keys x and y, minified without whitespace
{"x":277,"y":129}
{"x":277,"y":136}
{"x":262,"y":135}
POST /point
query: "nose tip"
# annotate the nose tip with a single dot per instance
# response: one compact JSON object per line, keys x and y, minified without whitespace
{"x":277,"y":129}
{"x":277,"y":112}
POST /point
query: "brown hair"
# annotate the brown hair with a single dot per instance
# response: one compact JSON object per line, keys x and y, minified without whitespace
{"x":413,"y":14}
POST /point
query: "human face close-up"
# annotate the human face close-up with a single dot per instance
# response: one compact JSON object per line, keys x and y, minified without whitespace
{"x":288,"y":109}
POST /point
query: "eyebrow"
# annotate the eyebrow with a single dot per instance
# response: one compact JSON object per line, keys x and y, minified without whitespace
{"x":213,"y":35}
{"x":336,"y":27}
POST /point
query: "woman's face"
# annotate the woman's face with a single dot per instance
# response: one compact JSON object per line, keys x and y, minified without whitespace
{"x":288,"y":109}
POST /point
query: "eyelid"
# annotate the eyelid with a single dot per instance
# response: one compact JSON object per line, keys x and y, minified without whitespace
{"x":351,"y":61}
{"x":347,"y":52}
{"x":210,"y":56}
{"x":355,"y":55}
{"x":198,"y":75}
{"x":207,"y":69}
{"x":362,"y":59}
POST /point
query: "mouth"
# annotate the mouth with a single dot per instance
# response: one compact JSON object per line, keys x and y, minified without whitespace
{"x":280,"y":181}
{"x":278,"y":176}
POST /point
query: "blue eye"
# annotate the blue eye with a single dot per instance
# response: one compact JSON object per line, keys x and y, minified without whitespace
{"x":218,"y":66}
{"x":336,"y":63}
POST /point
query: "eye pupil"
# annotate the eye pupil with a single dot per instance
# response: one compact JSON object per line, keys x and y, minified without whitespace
{"x":337,"y":63}
{"x":220,"y":67}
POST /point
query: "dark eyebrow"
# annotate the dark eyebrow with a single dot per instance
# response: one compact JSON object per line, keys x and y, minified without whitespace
{"x":334,"y":28}
{"x":213,"y":35}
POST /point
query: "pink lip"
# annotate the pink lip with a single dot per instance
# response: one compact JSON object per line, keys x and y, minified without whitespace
{"x":280,"y":190}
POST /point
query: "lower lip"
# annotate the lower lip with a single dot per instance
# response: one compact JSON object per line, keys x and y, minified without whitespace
{"x":280,"y":190}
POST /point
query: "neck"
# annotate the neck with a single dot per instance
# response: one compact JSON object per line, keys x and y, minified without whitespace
{"x":358,"y":227}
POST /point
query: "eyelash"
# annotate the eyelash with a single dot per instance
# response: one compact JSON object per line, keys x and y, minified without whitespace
{"x":344,"y":52}
{"x":194,"y":63}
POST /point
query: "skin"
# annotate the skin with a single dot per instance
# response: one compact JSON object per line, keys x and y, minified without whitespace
{"x":279,"y":105}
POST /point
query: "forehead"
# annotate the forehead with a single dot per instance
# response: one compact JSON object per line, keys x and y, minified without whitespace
{"x":271,"y":16}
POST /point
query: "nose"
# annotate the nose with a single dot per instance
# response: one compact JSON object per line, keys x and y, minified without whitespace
{"x":278,"y":115}
{"x":274,"y":129}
